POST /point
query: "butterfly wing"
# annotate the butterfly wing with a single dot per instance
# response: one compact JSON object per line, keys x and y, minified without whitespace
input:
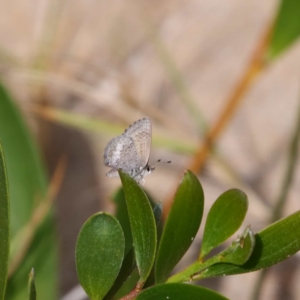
{"x":141,"y":134}
{"x":121,"y":153}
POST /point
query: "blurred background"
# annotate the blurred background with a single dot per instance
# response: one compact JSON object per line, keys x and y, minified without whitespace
{"x":207,"y":73}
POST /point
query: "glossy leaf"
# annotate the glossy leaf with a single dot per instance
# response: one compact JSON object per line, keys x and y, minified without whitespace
{"x":179,"y":291}
{"x":157,"y":211}
{"x":31,"y":286}
{"x":99,"y":254}
{"x":122,"y":285}
{"x":129,"y":262}
{"x":224,"y":219}
{"x":240,"y":250}
{"x":122,"y":216}
{"x":4,"y":225}
{"x":272,"y":245}
{"x":287,"y":27}
{"x":142,"y":224}
{"x":127,"y":267}
{"x":181,"y":226}
{"x":27,"y":185}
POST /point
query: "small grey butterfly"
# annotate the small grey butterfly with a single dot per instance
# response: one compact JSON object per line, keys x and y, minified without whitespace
{"x":130,"y":151}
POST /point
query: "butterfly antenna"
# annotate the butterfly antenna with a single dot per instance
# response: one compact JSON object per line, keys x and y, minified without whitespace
{"x":152,"y":166}
{"x":164,"y":162}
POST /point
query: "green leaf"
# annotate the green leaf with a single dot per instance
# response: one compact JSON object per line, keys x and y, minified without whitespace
{"x":142,"y":224}
{"x":237,"y":253}
{"x":240,"y":250}
{"x":27,"y":185}
{"x":179,"y":291}
{"x":224,"y":219}
{"x":286,"y":29}
{"x":129,"y":262}
{"x":157,"y":211}
{"x":272,"y":245}
{"x":31,"y":286}
{"x":181,"y":226}
{"x":99,"y":254}
{"x":122,"y":215}
{"x":127,"y":267}
{"x":4,"y":224}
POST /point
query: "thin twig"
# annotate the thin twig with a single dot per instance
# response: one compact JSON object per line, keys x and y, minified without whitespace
{"x":256,"y":65}
{"x":290,"y":172}
{"x":282,"y":197}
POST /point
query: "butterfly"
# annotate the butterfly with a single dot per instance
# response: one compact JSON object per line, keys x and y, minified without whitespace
{"x":130,"y":151}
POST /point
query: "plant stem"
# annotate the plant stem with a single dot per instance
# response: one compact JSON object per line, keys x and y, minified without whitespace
{"x":134,"y":293}
{"x":287,"y":181}
{"x":193,"y":272}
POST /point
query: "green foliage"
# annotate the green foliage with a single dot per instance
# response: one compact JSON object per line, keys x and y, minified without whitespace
{"x":272,"y":245}
{"x":4,"y":225}
{"x":31,"y":286}
{"x":240,"y":250}
{"x":27,"y":186}
{"x":181,"y":226}
{"x":179,"y":291}
{"x":287,"y":27}
{"x":99,"y":254}
{"x":246,"y":253}
{"x":142,"y":223}
{"x":223,"y":220}
{"x":128,"y":275}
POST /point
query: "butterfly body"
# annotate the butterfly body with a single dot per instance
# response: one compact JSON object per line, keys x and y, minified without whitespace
{"x":130,"y":151}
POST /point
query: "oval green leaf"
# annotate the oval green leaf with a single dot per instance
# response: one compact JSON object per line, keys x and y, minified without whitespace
{"x":4,"y":225}
{"x":142,"y":225}
{"x":179,"y":291}
{"x":272,"y":245}
{"x":287,"y":27}
{"x":181,"y":226}
{"x":99,"y":254}
{"x":224,"y":219}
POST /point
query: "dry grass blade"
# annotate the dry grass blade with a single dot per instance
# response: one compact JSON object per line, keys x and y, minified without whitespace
{"x":27,"y":233}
